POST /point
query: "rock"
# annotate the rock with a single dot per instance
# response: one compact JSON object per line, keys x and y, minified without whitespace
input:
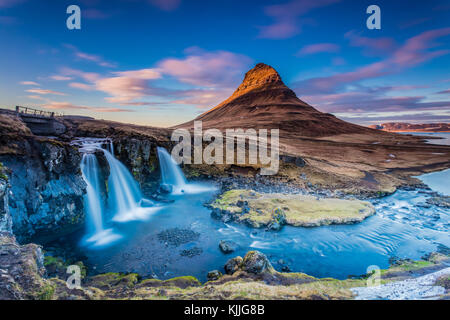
{"x":440,"y":201}
{"x":47,"y":189}
{"x":146,"y":203}
{"x":256,"y":262}
{"x":5,"y":216}
{"x":165,"y":188}
{"x":216,"y":213}
{"x":22,"y":270}
{"x":214,"y":275}
{"x":227,"y":246}
{"x":233,"y":265}
{"x":299,"y":162}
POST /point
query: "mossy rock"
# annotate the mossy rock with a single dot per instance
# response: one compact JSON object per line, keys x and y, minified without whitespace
{"x":114,"y":280}
{"x":274,"y":210}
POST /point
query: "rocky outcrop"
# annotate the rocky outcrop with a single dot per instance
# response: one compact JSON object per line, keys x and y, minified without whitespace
{"x":5,"y":217}
{"x":273,"y":210}
{"x":21,"y":270}
{"x":45,"y":184}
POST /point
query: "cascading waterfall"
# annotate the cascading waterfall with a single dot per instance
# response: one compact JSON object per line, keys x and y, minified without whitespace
{"x":172,"y":175}
{"x":97,"y":234}
{"x":94,"y":208}
{"x":125,"y":197}
{"x":125,"y":200}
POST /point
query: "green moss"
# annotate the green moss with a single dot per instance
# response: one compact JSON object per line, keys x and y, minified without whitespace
{"x":112,"y":279}
{"x":50,"y":261}
{"x":46,"y":292}
{"x":3,"y":175}
{"x":298,"y":210}
{"x":183,"y":282}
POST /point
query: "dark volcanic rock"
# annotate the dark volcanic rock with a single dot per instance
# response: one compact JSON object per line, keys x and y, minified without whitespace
{"x":214,"y":275}
{"x":227,"y":246}
{"x":256,"y":262}
{"x":176,"y":236}
{"x":21,"y":270}
{"x":46,"y":188}
{"x":195,"y":251}
{"x":233,"y":265}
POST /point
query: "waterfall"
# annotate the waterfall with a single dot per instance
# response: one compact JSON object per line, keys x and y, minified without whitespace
{"x":172,"y":175}
{"x":125,"y":201}
{"x":94,"y":208}
{"x":97,"y":234}
{"x":125,"y":197}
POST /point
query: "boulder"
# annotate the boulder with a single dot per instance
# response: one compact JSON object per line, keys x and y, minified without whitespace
{"x":165,"y":188}
{"x":214,"y":275}
{"x":256,"y":262}
{"x":233,"y":265}
{"x":227,"y":246}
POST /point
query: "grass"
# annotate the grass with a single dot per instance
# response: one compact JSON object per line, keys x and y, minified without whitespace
{"x":298,"y":210}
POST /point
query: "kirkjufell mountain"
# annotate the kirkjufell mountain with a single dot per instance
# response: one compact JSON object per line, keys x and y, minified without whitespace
{"x":263,"y":101}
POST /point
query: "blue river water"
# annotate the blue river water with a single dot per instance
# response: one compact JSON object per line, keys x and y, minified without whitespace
{"x":404,"y":226}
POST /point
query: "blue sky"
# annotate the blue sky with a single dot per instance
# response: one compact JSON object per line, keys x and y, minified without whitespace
{"x":163,"y":62}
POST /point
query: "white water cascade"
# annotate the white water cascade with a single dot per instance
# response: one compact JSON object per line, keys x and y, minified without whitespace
{"x":125,"y":200}
{"x":97,"y":234}
{"x":172,"y":175}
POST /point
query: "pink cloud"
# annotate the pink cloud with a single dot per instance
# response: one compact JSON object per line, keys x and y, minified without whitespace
{"x":217,"y":68}
{"x":166,"y":5}
{"x":87,"y":76}
{"x":371,"y":45}
{"x":286,"y":17}
{"x":45,"y":91}
{"x":69,"y":106}
{"x":128,"y":85}
{"x":29,"y":83}
{"x":60,"y":78}
{"x":413,"y":52}
{"x":82,"y":86}
{"x":89,"y":57}
{"x":318,"y":48}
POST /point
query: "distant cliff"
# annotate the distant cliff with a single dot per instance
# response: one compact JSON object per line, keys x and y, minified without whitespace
{"x":410,"y":127}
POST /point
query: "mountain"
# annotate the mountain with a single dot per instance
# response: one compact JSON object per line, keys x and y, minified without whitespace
{"x":409,"y":127}
{"x":263,"y":101}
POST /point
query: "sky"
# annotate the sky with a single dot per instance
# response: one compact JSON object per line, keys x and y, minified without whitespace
{"x":163,"y":62}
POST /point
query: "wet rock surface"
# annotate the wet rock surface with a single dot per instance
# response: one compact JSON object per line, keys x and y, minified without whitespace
{"x":228,"y":246}
{"x":47,"y":189}
{"x":176,"y":236}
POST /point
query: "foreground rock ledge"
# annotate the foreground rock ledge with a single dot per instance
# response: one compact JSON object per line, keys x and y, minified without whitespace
{"x":274,"y":210}
{"x":23,"y":275}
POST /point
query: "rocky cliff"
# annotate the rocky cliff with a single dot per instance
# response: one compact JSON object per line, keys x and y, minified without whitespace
{"x":45,"y":188}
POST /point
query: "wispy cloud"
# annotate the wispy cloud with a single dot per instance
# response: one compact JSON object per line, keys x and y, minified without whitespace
{"x":413,"y":52}
{"x":286,"y":17}
{"x":45,"y":92}
{"x":318,"y":48}
{"x":371,"y":46}
{"x":202,"y":68}
{"x":69,"y":106}
{"x":29,"y":83}
{"x":89,"y":57}
{"x":82,"y":86}
{"x":60,"y":78}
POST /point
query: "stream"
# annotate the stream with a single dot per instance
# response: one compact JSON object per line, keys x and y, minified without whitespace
{"x":181,"y":238}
